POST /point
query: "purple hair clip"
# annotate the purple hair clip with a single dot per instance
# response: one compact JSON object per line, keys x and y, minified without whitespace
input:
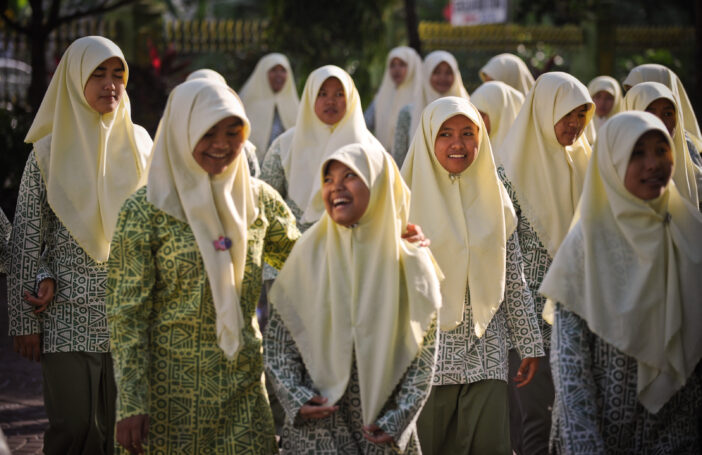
{"x":222,"y":243}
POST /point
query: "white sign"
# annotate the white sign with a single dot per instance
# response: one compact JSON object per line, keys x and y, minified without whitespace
{"x":473,"y":12}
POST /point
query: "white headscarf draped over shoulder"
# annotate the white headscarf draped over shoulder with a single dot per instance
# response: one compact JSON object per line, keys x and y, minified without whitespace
{"x":501,"y":103}
{"x":311,"y":141}
{"x":431,"y":61}
{"x":509,"y":69}
{"x":360,"y":292}
{"x":631,"y":268}
{"x":652,"y":72}
{"x":610,"y":85}
{"x":390,"y":98}
{"x":685,"y":173}
{"x":90,"y":162}
{"x":213,"y":206}
{"x":468,"y":217}
{"x":547,"y":177}
{"x":260,"y":100}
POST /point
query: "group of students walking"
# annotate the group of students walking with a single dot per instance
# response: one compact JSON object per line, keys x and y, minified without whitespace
{"x":515,"y":270}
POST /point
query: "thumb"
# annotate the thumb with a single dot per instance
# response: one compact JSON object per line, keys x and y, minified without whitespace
{"x":318,"y":399}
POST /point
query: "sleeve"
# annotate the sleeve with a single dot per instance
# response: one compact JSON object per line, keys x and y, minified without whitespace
{"x":522,"y":321}
{"x":25,"y":249}
{"x":282,"y":232}
{"x":5,"y":231}
{"x":131,"y":276}
{"x":369,"y":116}
{"x":284,"y":367}
{"x":401,"y":142}
{"x":252,"y":160}
{"x":412,"y":392}
{"x":272,"y":171}
{"x":575,"y":406}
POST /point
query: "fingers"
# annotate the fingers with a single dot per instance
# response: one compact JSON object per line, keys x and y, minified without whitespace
{"x":526,"y":372}
{"x":374,"y":434}
{"x":137,"y":437}
{"x":28,"y":346}
{"x":313,"y":409}
{"x":132,"y":432}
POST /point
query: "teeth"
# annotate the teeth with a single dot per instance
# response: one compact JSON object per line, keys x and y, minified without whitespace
{"x":340,"y":200}
{"x":457,"y":156}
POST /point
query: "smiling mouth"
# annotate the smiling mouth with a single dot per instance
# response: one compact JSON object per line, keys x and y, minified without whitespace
{"x":340,"y":202}
{"x":217,"y":156}
{"x":457,"y":156}
{"x":654,"y":181}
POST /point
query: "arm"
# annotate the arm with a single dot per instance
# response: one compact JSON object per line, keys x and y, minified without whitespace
{"x":401,"y":142}
{"x":575,"y":406}
{"x":521,"y":317}
{"x":130,"y":278}
{"x":272,"y":171}
{"x":282,"y":232}
{"x":412,"y":392}
{"x":284,"y":368}
{"x":5,"y":231}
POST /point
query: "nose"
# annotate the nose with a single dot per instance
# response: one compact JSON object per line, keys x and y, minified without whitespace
{"x":220,"y":142}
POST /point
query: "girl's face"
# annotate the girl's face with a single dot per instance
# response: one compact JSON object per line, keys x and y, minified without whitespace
{"x":330,"y":105}
{"x":664,"y":110}
{"x":345,"y":195}
{"x":457,"y":143}
{"x":398,"y":71}
{"x":277,"y":77}
{"x":604,"y":102}
{"x":442,"y":78}
{"x":571,"y":126}
{"x":105,"y":86}
{"x":220,"y":145}
{"x":650,"y":166}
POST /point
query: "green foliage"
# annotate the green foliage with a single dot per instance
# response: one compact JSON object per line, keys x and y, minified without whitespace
{"x":350,"y":34}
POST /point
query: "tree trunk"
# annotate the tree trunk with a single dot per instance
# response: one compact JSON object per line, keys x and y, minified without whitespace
{"x":413,"y":26}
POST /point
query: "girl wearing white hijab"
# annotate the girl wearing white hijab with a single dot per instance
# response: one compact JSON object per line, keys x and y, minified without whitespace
{"x":657,"y":99}
{"x":351,"y":342}
{"x":401,"y":85}
{"x":626,"y":339}
{"x":88,"y":157}
{"x":607,"y":96}
{"x":652,"y":72}
{"x":498,"y":104}
{"x":441,"y":77}
{"x":184,"y":279}
{"x":249,"y":149}
{"x":329,"y":117}
{"x":271,"y":101}
{"x":509,"y":69}
{"x":486,"y":306}
{"x":544,"y":159}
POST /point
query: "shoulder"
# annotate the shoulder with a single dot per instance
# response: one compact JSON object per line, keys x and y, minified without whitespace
{"x":137,"y":207}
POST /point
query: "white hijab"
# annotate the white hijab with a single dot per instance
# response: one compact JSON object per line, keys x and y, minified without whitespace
{"x":631,"y":268}
{"x":304,"y":147}
{"x":509,"y":69}
{"x":468,"y":217}
{"x":261,"y":101}
{"x":360,"y":290}
{"x":502,"y":104}
{"x":90,"y":162}
{"x":610,"y":85}
{"x":547,"y":177}
{"x":391,"y":98}
{"x":213,"y":206}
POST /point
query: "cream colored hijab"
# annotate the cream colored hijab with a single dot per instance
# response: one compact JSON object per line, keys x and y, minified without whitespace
{"x":509,"y":69}
{"x":501,"y":103}
{"x":213,"y":206}
{"x":467,"y":217}
{"x":610,"y":85}
{"x":360,"y":290}
{"x":207,"y":73}
{"x":431,"y":61}
{"x":261,"y":101}
{"x":638,"y":98}
{"x":311,"y":141}
{"x":652,"y":72}
{"x":391,"y":98}
{"x":547,"y":177}
{"x":90,"y":162}
{"x":632,"y":268}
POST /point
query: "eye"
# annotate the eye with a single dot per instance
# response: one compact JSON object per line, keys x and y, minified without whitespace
{"x":350,"y":175}
{"x":340,"y":94}
{"x":234,"y":131}
{"x":637,"y":153}
{"x":326,"y":179}
{"x":444,"y":134}
{"x":468,"y":133}
{"x":321,"y":94}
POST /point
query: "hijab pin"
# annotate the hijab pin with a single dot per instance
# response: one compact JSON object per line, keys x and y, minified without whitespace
{"x":454,"y":177}
{"x":222,"y":243}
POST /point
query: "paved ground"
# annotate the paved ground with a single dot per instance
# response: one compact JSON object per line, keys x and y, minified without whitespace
{"x":22,"y":417}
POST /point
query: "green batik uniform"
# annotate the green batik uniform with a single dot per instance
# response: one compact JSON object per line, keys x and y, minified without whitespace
{"x":162,"y":325}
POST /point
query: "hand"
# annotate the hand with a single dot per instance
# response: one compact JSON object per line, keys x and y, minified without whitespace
{"x":28,"y":346}
{"x":313,"y":409}
{"x":374,"y":434}
{"x":526,"y":372}
{"x":45,"y":294}
{"x":132,"y":432}
{"x":414,"y":234}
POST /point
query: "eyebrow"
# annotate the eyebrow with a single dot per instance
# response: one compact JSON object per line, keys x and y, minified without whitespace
{"x":235,"y":123}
